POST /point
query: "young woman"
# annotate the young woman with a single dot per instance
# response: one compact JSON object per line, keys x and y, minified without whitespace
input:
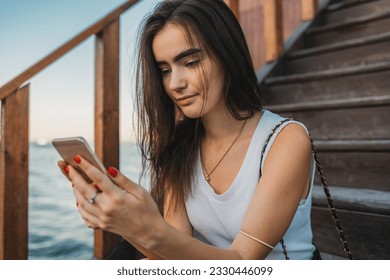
{"x":202,"y":130}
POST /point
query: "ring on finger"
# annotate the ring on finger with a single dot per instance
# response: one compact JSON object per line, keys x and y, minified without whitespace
{"x":92,"y":198}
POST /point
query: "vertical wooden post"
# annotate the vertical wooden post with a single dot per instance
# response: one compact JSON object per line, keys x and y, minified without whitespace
{"x":14,"y":144}
{"x":234,"y":6}
{"x":273,"y":29}
{"x":107,"y":114}
{"x":308,"y":9}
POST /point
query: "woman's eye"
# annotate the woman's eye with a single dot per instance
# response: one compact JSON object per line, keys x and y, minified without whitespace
{"x":192,"y":63}
{"x":165,"y":72}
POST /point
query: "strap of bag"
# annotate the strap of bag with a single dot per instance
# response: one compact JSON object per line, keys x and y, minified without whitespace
{"x":324,"y":184}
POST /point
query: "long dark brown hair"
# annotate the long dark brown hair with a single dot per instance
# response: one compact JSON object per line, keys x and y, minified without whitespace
{"x":169,"y":145}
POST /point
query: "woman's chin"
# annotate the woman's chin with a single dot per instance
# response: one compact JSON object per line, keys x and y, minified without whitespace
{"x":191,"y":114}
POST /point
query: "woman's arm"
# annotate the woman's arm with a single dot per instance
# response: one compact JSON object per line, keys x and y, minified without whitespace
{"x":271,"y":210}
{"x":130,"y":211}
{"x":176,"y":217}
{"x":283,"y":184}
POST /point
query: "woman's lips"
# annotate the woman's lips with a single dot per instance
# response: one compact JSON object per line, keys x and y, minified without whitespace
{"x":185,"y":99}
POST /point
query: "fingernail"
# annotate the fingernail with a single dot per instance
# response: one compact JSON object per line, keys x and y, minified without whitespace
{"x":96,"y":187}
{"x":112,"y":171}
{"x":66,"y":168}
{"x":72,"y":185}
{"x":77,"y":159}
{"x":77,"y":204}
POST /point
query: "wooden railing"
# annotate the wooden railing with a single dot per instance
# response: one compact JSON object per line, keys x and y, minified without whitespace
{"x":267,"y":24}
{"x":14,"y":140}
{"x":14,"y":98}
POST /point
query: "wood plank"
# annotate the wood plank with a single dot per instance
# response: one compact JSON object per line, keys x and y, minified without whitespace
{"x":368,"y":101}
{"x":350,"y":22}
{"x":338,"y":5}
{"x":14,"y":175}
{"x":356,"y":28}
{"x":354,"y":199}
{"x":366,"y":233}
{"x":291,"y":17}
{"x":328,"y":73}
{"x":308,"y":9}
{"x":273,"y":29}
{"x":26,"y":75}
{"x":365,"y":170}
{"x":358,"y":52}
{"x":252,"y":24}
{"x":357,"y":11}
{"x":107,"y":115}
{"x":353,"y":145}
{"x":336,"y":46}
{"x":351,"y":123}
{"x":246,"y":6}
{"x":363,"y":84}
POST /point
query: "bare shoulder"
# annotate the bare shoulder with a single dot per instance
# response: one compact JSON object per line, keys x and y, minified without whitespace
{"x":294,"y":136}
{"x":292,"y":145}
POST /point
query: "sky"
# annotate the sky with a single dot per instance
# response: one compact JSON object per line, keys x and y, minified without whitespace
{"x":62,"y":95}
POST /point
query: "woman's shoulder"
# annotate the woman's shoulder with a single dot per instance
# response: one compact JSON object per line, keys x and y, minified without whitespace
{"x":292,"y":136}
{"x":295,"y":133}
{"x":289,"y":125}
{"x":293,"y":143}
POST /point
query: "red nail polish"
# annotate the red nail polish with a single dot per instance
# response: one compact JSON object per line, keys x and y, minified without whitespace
{"x":112,"y":171}
{"x":77,"y":159}
{"x":77,"y":204}
{"x":96,"y":187}
{"x":72,"y":185}
{"x":66,"y":168}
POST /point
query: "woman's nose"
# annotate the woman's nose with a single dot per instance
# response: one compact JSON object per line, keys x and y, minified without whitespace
{"x":177,"y":81}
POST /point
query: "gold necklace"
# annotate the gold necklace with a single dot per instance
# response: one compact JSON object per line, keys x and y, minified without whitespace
{"x":208,"y":174}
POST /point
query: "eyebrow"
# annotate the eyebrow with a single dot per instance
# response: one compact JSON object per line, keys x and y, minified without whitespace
{"x":181,"y":55}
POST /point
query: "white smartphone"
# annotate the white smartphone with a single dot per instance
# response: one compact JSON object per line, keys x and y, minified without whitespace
{"x":70,"y":146}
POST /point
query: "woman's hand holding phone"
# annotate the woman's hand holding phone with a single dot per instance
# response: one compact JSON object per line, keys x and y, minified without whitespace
{"x":110,"y":201}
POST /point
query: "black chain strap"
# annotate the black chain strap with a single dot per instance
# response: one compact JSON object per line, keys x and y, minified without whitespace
{"x":324,"y":184}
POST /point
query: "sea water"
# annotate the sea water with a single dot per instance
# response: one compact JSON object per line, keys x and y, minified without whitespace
{"x":56,"y":230}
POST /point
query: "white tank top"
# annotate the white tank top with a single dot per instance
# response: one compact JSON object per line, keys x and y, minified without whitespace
{"x":216,"y":218}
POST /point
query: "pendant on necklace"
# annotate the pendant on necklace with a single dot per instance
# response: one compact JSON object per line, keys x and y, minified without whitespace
{"x":207,"y":178}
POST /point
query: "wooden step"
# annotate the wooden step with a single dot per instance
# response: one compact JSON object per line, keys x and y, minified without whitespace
{"x":326,"y":74}
{"x":364,"y":216}
{"x":328,"y":85}
{"x":355,"y":163}
{"x":368,"y":101}
{"x":349,"y":29}
{"x":361,"y":51}
{"x":346,"y":44}
{"x":353,"y":199}
{"x":366,"y":233}
{"x":353,"y":145}
{"x":369,"y":122}
{"x":362,"y":8}
{"x":339,"y":5}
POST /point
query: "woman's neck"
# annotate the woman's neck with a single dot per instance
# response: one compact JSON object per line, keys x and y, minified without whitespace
{"x":220,"y":126}
{"x":225,"y":126}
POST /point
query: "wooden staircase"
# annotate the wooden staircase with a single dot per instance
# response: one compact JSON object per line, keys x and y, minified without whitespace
{"x":335,"y":78}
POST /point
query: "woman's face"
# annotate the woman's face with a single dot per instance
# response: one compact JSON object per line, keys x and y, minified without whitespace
{"x":190,"y":77}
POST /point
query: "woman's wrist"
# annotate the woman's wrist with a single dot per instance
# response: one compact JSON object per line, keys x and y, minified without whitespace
{"x":153,"y":235}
